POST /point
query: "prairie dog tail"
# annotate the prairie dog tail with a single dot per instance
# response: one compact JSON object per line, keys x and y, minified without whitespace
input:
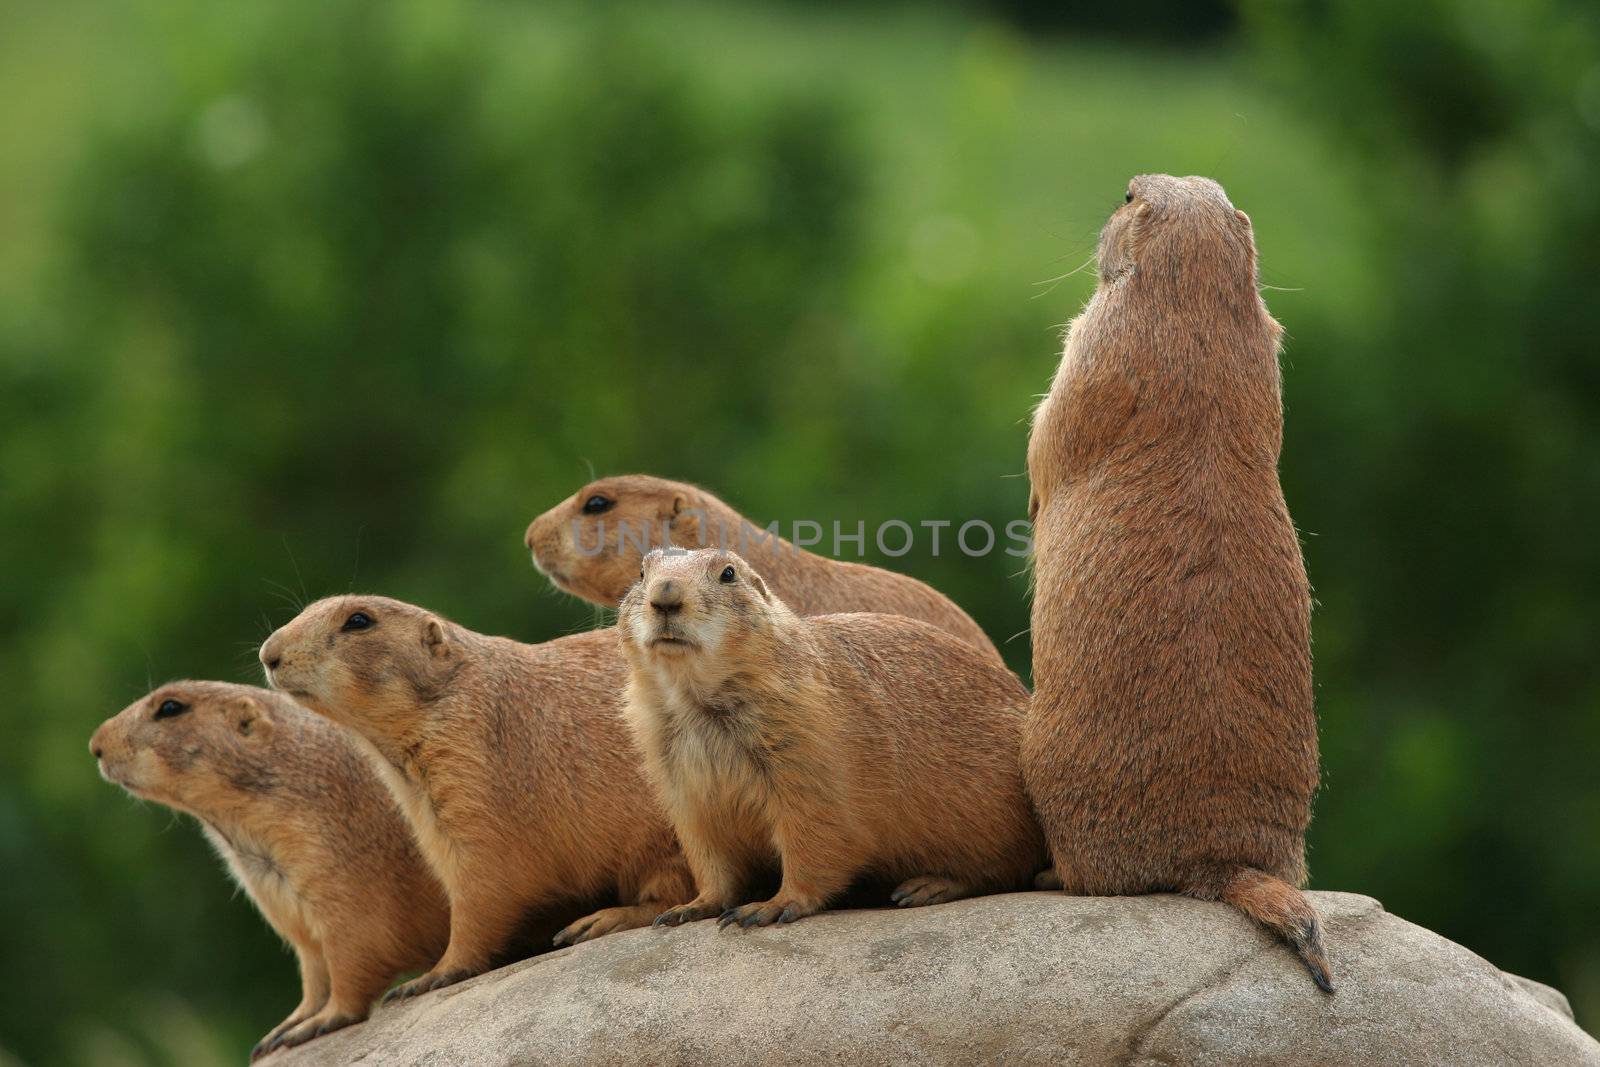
{"x":1278,"y":906}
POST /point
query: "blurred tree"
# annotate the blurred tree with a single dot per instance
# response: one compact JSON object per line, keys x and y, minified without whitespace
{"x":1452,"y":440}
{"x":343,"y":296}
{"x":351,"y":285}
{"x":1165,"y":21}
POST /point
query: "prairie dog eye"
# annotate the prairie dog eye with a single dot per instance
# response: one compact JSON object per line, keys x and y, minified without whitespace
{"x":729,"y":574}
{"x":1128,"y":198}
{"x":597,"y":504}
{"x":358,"y":620}
{"x":170,"y":708}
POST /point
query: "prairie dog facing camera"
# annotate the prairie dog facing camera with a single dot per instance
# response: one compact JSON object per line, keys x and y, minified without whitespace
{"x":1172,"y":740}
{"x":590,"y":545}
{"x":839,"y":747}
{"x":510,"y":761}
{"x":304,"y":826}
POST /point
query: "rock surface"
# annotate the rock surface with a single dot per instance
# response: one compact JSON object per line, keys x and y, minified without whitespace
{"x":1027,"y":978}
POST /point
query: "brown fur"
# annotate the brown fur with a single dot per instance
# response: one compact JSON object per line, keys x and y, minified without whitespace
{"x":843,"y":746}
{"x":662,"y":513}
{"x":306,"y":829}
{"x":511,"y":762}
{"x":1172,"y":744}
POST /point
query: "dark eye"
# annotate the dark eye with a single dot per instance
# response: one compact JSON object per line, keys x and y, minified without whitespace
{"x":169,"y":708}
{"x":1128,"y":199}
{"x":596,"y":504}
{"x":728,"y":574}
{"x":358,"y":620}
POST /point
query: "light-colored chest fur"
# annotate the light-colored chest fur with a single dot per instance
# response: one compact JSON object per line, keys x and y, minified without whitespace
{"x":710,"y":763}
{"x":266,"y":884}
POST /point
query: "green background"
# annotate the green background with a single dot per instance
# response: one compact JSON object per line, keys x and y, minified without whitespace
{"x":301,"y":297}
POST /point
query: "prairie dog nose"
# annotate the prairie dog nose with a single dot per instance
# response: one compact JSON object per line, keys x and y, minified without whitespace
{"x":527,"y":538}
{"x":666,"y":596}
{"x":271,"y":656}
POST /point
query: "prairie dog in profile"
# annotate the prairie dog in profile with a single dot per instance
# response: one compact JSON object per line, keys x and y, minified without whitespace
{"x":591,"y":543}
{"x":841,"y":746}
{"x":306,"y":829}
{"x":1172,"y":741}
{"x":510,"y":761}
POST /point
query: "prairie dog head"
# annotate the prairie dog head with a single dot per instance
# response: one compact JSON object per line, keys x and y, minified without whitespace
{"x":200,"y":747}
{"x":1178,"y":229}
{"x":590,"y":544}
{"x":691,"y":609}
{"x":367,"y":662}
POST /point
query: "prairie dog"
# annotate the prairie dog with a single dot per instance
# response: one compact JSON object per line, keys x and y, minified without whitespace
{"x":841,"y":746}
{"x":1172,"y":741}
{"x":510,"y":761}
{"x":591,"y":543}
{"x":304,"y":826}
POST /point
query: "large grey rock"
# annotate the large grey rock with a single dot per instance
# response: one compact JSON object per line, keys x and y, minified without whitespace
{"x":1027,"y":978}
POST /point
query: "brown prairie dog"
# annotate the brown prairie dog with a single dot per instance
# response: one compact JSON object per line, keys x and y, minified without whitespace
{"x":841,"y":746}
{"x":510,"y":761}
{"x":306,"y":829}
{"x":1172,"y":741}
{"x":590,"y":545}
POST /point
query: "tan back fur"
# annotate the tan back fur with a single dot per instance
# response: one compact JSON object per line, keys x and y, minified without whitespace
{"x":590,"y":545}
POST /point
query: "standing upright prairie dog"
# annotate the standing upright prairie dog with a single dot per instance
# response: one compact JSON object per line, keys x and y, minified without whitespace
{"x":1172,"y":742}
{"x":590,"y":545}
{"x":841,"y":746}
{"x":304,"y":825}
{"x":510,"y":761}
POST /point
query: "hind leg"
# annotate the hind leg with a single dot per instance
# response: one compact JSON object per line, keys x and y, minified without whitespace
{"x":607,"y":921}
{"x":665,"y":883}
{"x":930,"y":889}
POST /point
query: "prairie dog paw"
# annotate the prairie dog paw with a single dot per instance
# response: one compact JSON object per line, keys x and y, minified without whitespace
{"x":427,"y":983}
{"x":928,"y":889}
{"x":777,"y":910}
{"x":324,"y":1022}
{"x":693,"y":911}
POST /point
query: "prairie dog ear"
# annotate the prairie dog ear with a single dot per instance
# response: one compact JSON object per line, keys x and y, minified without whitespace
{"x":684,"y":527}
{"x":435,"y":640}
{"x":250,"y":717}
{"x":1242,"y":217}
{"x":1033,"y":505}
{"x":760,"y":586}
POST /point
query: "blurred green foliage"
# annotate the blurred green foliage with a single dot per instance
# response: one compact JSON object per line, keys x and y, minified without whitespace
{"x":297,"y":298}
{"x":1451,"y":437}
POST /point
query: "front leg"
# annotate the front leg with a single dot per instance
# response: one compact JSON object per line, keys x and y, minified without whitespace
{"x":719,"y":858}
{"x":314,"y":988}
{"x":821,"y":853}
{"x":484,"y":916}
{"x":357,"y":972}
